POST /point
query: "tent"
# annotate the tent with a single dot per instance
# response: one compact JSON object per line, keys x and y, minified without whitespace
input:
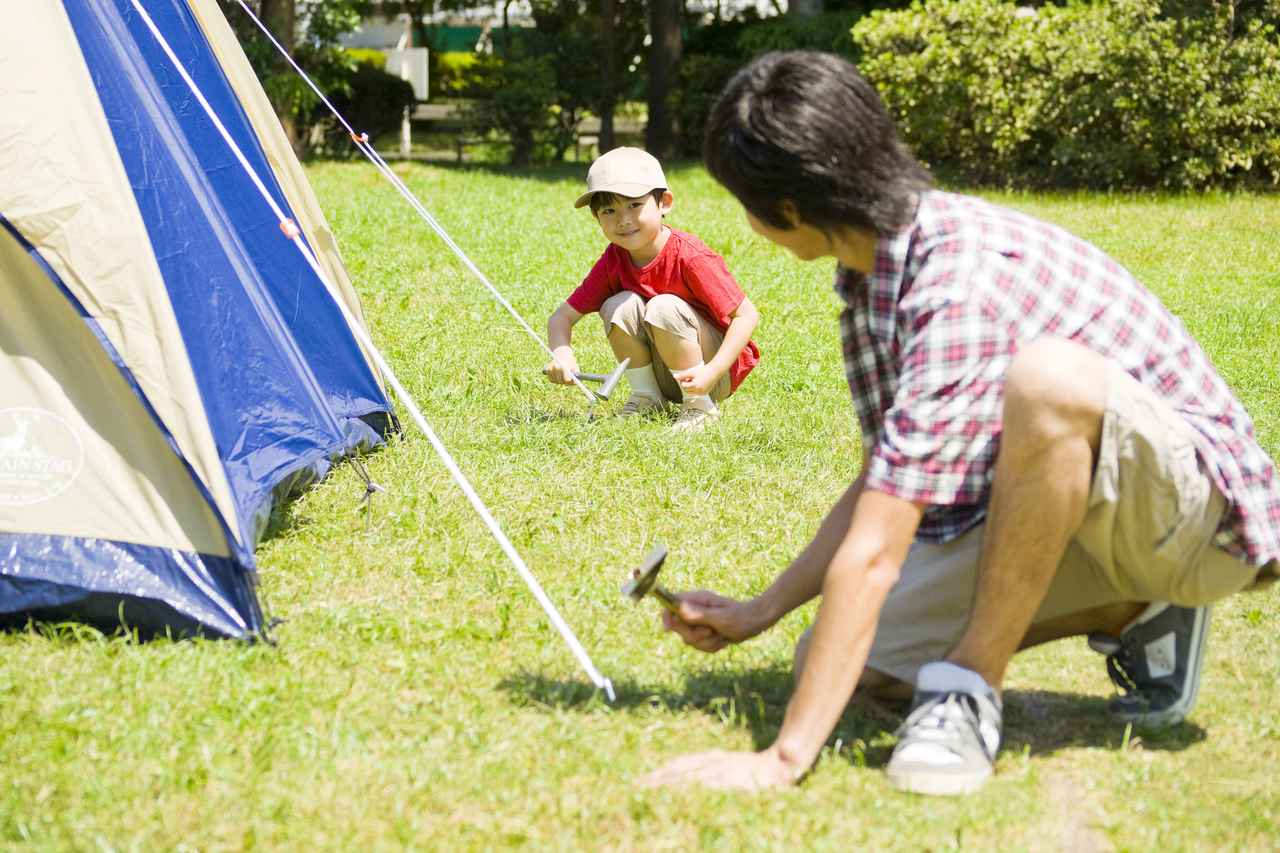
{"x":171,"y":366}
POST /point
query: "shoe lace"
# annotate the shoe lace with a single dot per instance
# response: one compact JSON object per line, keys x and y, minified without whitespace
{"x":952,"y":713}
{"x":1118,"y":666}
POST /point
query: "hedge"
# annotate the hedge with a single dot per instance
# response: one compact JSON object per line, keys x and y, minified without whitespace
{"x":1119,"y":94}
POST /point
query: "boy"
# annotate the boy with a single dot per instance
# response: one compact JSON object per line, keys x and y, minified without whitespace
{"x":667,"y":301}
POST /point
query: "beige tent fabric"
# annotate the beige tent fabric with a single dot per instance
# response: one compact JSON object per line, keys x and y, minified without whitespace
{"x":66,"y":192}
{"x":79,"y":455}
{"x":284,"y":163}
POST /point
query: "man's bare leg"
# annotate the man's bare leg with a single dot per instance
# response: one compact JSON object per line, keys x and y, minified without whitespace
{"x":1055,"y":398}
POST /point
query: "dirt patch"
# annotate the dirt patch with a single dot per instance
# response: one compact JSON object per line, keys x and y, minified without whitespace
{"x":1071,"y":816}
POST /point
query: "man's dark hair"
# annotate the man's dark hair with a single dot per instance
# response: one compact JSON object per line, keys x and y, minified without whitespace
{"x":806,"y":126}
{"x":603,"y":199}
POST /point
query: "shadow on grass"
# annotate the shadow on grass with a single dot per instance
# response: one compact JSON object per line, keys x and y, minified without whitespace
{"x":531,"y":415}
{"x":1040,"y":722}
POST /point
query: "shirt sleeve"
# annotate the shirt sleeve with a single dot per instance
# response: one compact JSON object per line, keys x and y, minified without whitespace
{"x":708,"y":278}
{"x":939,"y":436}
{"x":598,"y":286}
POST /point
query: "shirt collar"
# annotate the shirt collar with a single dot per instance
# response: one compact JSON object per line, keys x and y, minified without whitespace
{"x":890,"y":271}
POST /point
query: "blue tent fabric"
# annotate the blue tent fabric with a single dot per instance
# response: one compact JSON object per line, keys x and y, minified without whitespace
{"x":121,"y":585}
{"x":221,"y":250}
{"x":281,"y":378}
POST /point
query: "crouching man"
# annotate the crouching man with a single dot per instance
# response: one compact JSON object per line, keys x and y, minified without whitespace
{"x":1048,"y":452}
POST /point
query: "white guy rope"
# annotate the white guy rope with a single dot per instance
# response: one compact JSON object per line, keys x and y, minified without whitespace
{"x":361,"y":141}
{"x":291,"y":230}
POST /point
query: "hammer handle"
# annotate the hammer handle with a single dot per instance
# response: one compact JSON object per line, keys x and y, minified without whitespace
{"x":665,"y":598}
{"x":586,"y":377}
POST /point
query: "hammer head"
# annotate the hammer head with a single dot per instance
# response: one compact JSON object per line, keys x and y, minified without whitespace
{"x":643,"y":578}
{"x":606,"y":388}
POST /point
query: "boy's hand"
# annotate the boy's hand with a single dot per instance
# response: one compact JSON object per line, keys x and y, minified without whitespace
{"x":710,"y":622}
{"x":696,"y":380}
{"x":562,"y":367}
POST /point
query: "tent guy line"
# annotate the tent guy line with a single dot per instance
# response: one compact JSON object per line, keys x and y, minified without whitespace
{"x":292,"y":232}
{"x":361,"y":141}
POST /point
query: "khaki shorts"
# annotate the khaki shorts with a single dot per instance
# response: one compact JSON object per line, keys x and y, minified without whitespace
{"x":1147,"y":536}
{"x":629,"y":312}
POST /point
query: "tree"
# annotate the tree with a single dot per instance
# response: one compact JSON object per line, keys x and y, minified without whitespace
{"x":308,"y":30}
{"x":665,"y":50}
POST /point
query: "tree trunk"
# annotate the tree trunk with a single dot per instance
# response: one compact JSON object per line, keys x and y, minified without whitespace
{"x":281,"y":18}
{"x":804,"y":8}
{"x":664,"y":60}
{"x":608,"y":9}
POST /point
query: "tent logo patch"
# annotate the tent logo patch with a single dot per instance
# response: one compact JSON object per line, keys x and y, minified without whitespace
{"x":40,"y":456}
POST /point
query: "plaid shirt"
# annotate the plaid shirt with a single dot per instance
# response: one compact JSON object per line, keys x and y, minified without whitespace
{"x":929,"y":335}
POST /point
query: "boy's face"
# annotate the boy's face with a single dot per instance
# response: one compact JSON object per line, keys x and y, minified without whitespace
{"x":634,"y":224}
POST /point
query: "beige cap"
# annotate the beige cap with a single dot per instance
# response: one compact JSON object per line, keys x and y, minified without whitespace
{"x":629,"y":172}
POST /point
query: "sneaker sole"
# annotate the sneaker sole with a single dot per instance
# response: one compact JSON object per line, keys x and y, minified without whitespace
{"x":935,"y":783}
{"x":1177,"y":712}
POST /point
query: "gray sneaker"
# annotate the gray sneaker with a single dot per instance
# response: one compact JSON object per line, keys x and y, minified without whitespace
{"x":639,"y":404}
{"x":1156,"y":662}
{"x":947,"y":745}
{"x":695,"y":416}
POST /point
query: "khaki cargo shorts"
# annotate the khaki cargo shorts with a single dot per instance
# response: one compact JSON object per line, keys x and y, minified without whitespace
{"x":671,"y":314}
{"x":1147,"y":536}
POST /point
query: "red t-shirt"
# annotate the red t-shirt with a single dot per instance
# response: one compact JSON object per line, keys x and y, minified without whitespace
{"x":686,"y":268}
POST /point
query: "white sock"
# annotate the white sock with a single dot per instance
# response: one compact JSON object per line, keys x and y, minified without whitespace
{"x":698,"y":401}
{"x":643,"y":382}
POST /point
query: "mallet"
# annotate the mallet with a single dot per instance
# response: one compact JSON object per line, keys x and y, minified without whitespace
{"x":644,"y":580}
{"x":609,"y":380}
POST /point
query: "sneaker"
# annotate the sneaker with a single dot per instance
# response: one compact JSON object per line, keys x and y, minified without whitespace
{"x":639,"y":404}
{"x":947,"y":745}
{"x":695,"y":417}
{"x":1156,"y":662}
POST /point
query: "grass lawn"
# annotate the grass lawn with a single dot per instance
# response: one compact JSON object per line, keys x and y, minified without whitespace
{"x":418,"y":698}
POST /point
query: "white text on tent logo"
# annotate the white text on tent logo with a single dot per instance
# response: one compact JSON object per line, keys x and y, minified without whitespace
{"x":40,"y":456}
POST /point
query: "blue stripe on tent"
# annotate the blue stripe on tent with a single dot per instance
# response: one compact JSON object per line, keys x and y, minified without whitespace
{"x":318,"y":325}
{"x":103,"y":583}
{"x":229,"y":272}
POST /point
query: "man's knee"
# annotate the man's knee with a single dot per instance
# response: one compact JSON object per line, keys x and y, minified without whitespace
{"x":1054,"y":387}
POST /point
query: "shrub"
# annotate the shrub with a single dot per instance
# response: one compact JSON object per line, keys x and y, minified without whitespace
{"x":450,"y":72}
{"x":1103,"y":95}
{"x":513,"y":97}
{"x":372,"y":101}
{"x":713,"y":52}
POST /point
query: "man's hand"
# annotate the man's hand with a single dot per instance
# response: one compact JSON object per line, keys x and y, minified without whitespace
{"x":710,"y":622}
{"x":750,"y":771}
{"x":562,"y":368}
{"x":696,"y":380}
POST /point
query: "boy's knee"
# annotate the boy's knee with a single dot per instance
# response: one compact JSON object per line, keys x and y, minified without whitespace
{"x":626,"y":310}
{"x":667,"y":311}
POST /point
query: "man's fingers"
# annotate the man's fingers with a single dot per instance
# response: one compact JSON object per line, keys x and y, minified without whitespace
{"x":686,"y":768}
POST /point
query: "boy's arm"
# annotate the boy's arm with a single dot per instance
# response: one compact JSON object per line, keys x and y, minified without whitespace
{"x":742,"y":322}
{"x":559,"y":333}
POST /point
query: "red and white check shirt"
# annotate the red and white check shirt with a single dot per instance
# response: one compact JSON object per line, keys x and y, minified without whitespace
{"x":929,"y":334}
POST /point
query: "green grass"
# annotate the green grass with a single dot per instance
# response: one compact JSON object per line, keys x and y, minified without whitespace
{"x":418,"y":698}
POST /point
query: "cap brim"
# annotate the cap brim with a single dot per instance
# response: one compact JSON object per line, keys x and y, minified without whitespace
{"x":625,"y":190}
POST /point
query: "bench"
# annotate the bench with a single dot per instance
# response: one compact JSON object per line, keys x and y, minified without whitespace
{"x":447,"y":118}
